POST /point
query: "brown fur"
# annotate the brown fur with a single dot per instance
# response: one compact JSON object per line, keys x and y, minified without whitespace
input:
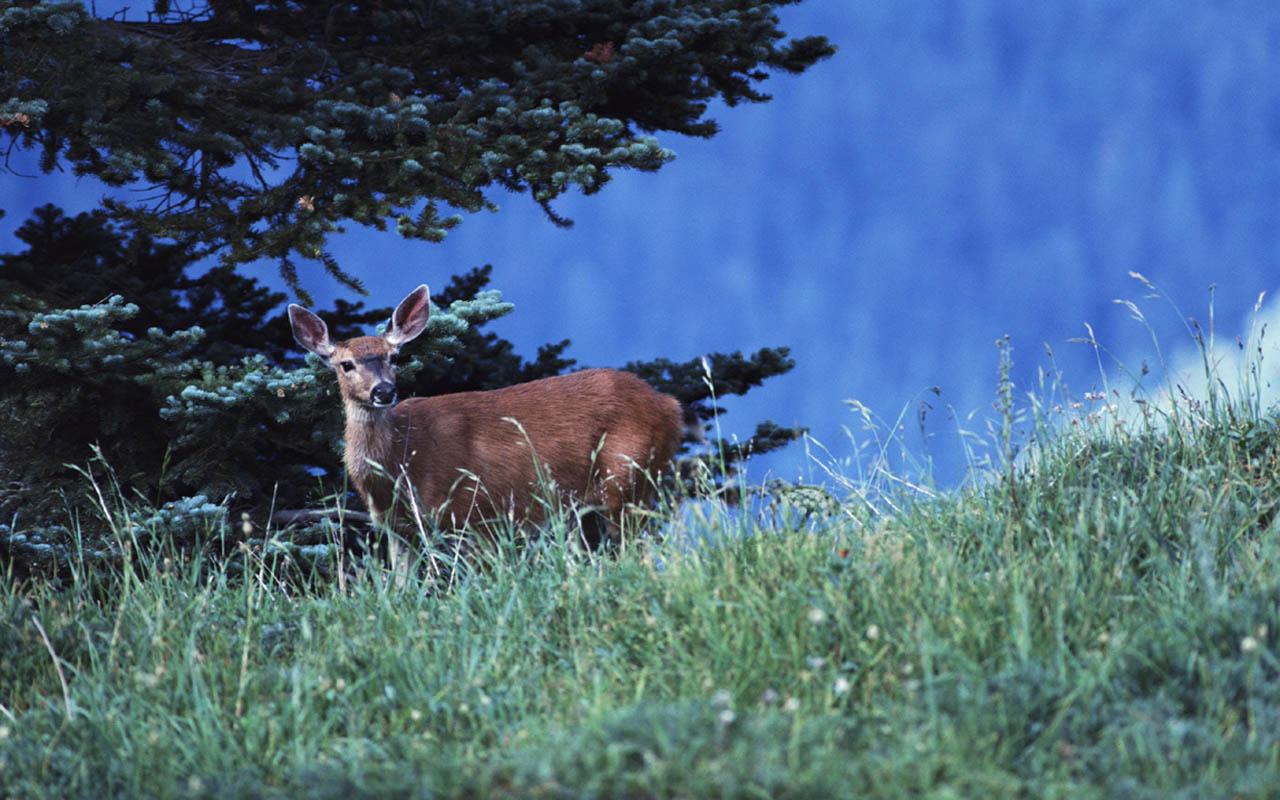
{"x":445,"y":444}
{"x":473,"y":457}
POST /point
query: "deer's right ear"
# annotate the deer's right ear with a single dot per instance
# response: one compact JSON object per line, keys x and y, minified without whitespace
{"x":310,"y":331}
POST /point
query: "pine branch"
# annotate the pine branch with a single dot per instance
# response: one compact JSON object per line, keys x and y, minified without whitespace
{"x":234,"y":113}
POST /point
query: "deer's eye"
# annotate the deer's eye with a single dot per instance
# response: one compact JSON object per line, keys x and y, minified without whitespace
{"x":347,"y":366}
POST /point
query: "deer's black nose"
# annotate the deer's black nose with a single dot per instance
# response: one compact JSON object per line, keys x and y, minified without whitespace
{"x":384,"y":394}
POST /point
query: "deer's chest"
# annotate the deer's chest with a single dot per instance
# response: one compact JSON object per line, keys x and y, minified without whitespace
{"x":369,"y":456}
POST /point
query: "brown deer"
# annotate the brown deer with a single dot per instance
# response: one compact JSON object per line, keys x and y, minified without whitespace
{"x":475,"y":457}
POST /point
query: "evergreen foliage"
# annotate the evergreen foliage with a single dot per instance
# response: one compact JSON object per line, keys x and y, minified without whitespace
{"x":262,"y":126}
{"x":227,"y":407}
{"x":191,"y":386}
{"x":701,"y":382}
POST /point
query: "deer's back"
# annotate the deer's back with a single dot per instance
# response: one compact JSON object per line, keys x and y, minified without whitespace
{"x":577,"y":425}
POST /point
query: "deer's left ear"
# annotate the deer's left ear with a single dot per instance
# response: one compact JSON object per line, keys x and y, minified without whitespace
{"x":409,"y":319}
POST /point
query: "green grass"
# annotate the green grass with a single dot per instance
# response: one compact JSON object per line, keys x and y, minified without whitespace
{"x":1099,"y":620}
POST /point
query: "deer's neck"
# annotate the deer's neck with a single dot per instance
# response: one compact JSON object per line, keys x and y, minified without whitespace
{"x":370,"y":437}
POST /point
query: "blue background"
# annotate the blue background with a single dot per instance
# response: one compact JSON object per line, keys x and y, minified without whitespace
{"x":958,"y":171}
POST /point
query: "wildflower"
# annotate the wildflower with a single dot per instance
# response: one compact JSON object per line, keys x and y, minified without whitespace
{"x":817,"y":616}
{"x":1248,"y":644}
{"x":415,"y":715}
{"x":722,"y":699}
{"x":873,"y":632}
{"x":841,"y":686}
{"x":4,"y":732}
{"x":601,"y":52}
{"x":791,"y":704}
{"x":727,"y":717}
{"x":815,"y":662}
{"x":769,"y":696}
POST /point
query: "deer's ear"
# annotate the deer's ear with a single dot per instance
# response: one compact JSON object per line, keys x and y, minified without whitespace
{"x":409,"y":319}
{"x":310,"y":331}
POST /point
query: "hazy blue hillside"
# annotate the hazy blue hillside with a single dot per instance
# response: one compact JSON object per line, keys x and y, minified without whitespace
{"x":958,"y":171}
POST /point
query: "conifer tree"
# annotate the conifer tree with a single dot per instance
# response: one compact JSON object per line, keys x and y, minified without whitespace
{"x":197,"y":387}
{"x":263,"y":126}
{"x":192,"y":384}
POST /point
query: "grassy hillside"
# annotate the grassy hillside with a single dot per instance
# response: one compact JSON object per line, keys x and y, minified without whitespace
{"x":1102,"y":620}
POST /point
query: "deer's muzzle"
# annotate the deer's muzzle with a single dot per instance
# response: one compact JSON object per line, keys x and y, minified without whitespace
{"x":384,"y":394}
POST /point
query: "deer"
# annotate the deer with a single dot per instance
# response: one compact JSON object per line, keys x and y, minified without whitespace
{"x":471,"y":459}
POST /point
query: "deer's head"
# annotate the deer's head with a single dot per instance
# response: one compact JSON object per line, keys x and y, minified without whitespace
{"x":363,"y":365}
